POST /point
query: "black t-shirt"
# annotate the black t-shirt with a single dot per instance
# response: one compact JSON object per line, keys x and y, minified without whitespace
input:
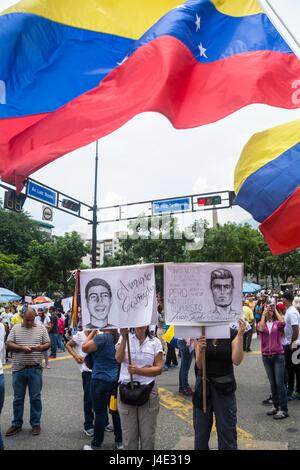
{"x":53,"y":320}
{"x":219,"y":357}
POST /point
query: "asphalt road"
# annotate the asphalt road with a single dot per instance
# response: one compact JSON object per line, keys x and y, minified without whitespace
{"x":62,"y":421}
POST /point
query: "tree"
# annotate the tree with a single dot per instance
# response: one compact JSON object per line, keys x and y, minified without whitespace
{"x":10,"y":271}
{"x":50,"y":263}
{"x":70,"y":251}
{"x":17,"y":231}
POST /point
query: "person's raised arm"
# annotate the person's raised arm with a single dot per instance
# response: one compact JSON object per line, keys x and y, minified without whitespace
{"x":237,"y":344}
{"x":279,"y":317}
{"x":120,"y":353}
{"x":261,"y":324}
{"x":70,"y":348}
{"x":89,"y":344}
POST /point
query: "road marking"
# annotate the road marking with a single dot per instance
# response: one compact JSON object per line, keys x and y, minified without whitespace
{"x":180,"y":406}
{"x":184,"y":410}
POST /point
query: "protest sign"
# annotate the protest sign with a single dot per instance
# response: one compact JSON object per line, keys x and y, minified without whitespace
{"x":211,"y":332}
{"x":203,"y":293}
{"x":121,"y":297}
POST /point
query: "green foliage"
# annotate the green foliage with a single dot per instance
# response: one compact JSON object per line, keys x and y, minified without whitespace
{"x":228,"y":243}
{"x":51,"y":262}
{"x":10,"y":270}
{"x":17,"y":231}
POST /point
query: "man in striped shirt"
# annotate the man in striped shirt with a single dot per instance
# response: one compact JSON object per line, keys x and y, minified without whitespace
{"x":27,"y":341}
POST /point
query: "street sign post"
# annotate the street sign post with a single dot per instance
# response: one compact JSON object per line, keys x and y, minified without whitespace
{"x":41,"y":193}
{"x":170,"y":206}
{"x":47,"y":213}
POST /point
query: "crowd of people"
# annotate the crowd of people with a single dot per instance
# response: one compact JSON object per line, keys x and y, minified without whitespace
{"x":122,"y":366}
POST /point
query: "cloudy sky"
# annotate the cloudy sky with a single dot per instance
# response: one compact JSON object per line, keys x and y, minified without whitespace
{"x":147,"y":159}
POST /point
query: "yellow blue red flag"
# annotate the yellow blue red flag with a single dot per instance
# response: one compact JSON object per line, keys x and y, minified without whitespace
{"x":267,"y":184}
{"x":73,"y":71}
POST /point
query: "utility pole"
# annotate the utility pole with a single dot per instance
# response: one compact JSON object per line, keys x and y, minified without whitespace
{"x":95,"y":210}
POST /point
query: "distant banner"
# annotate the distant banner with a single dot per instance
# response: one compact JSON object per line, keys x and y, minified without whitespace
{"x":122,"y":297}
{"x":67,"y":304}
{"x":203,"y":293}
{"x":38,"y":306}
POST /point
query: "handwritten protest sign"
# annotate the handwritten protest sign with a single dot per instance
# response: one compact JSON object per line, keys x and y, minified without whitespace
{"x":120,"y":297}
{"x":203,"y":293}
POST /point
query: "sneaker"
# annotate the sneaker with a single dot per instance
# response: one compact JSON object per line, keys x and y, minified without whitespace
{"x":281,"y":414}
{"x":36,"y":431}
{"x":12,"y":431}
{"x":166,"y":367}
{"x":290,"y":395}
{"x":296,"y":396}
{"x":87,"y":447}
{"x":48,"y":367}
{"x":187,"y":391}
{"x":89,"y":432}
{"x":268,"y":401}
{"x":273,"y":411}
{"x":109,"y":428}
{"x":173,"y":366}
{"x":119,"y":446}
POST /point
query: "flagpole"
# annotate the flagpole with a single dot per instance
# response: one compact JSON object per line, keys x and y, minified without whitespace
{"x":95,"y":210}
{"x":281,"y":26}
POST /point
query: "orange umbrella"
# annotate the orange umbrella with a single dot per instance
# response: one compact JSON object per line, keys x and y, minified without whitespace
{"x":41,"y":300}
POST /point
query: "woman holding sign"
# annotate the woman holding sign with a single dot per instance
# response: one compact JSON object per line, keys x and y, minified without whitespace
{"x":138,"y":400}
{"x":221,"y":354}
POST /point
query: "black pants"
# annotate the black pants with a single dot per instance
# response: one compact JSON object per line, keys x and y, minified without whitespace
{"x":87,"y":401}
{"x":293,"y":370}
{"x":171,"y":356}
{"x":225,"y":410}
{"x":247,"y":339}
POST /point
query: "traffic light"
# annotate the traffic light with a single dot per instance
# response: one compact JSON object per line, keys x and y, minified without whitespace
{"x":14,"y":201}
{"x":70,"y":205}
{"x":209,"y":201}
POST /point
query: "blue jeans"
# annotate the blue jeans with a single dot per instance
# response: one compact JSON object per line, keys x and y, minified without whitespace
{"x":60,"y":342}
{"x":54,"y":339}
{"x":275,"y":367}
{"x":100,"y":394}
{"x":1,"y":405}
{"x":33,"y":378}
{"x":185,"y":364}
{"x":87,"y":401}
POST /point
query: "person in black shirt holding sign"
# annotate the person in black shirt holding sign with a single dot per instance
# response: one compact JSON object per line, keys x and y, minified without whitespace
{"x":221,"y":354}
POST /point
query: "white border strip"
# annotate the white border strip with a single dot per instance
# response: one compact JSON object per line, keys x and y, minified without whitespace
{"x":281,"y":27}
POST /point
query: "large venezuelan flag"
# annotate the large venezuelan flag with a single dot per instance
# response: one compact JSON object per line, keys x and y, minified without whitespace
{"x":73,"y":71}
{"x":267,"y":184}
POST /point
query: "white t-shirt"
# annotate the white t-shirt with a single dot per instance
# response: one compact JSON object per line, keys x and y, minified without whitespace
{"x":291,"y":318}
{"x":142,"y":355}
{"x":39,"y":321}
{"x":2,"y":337}
{"x":6,"y":317}
{"x":269,"y":325}
{"x":79,"y":339}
